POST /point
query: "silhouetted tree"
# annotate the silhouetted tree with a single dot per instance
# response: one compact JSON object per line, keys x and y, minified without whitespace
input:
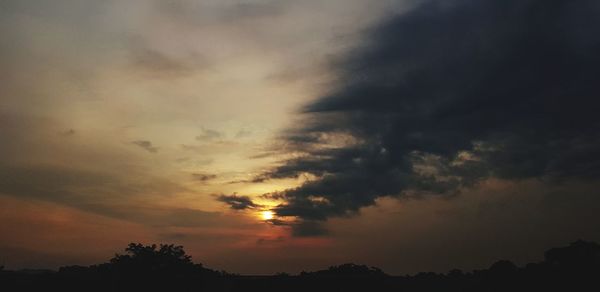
{"x":348,"y":270}
{"x":456,"y":273}
{"x":282,"y":274}
{"x":165,"y":257}
{"x":578,"y":255}
{"x":164,"y":266}
{"x":503,"y":268}
{"x":168,"y":268}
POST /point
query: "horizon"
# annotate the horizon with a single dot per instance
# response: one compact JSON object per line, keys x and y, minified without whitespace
{"x":273,"y":136}
{"x":378,"y":271}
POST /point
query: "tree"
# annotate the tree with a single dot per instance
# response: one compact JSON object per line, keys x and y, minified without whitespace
{"x":166,"y":253}
{"x":166,"y":258}
{"x":154,"y":267}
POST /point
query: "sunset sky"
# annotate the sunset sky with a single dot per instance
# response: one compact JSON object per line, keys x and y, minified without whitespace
{"x":279,"y":136}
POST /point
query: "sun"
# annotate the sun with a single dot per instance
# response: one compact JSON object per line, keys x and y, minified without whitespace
{"x":267,"y":215}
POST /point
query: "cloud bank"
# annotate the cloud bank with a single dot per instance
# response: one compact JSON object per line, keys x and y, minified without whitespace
{"x":445,"y":96}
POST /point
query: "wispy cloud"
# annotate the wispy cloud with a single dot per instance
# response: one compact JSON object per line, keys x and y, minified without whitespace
{"x":146,"y":145}
{"x":237,"y":202}
{"x":209,"y":135}
{"x":203,"y":177}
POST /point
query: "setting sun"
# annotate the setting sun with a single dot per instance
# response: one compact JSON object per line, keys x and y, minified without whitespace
{"x":266,"y":215}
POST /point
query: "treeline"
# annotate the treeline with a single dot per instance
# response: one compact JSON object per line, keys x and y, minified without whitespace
{"x":168,"y":268}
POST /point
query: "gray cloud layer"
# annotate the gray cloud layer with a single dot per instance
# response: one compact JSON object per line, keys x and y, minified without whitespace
{"x":450,"y":94}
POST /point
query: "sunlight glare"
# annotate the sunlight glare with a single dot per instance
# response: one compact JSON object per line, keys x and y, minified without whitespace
{"x":267,"y":215}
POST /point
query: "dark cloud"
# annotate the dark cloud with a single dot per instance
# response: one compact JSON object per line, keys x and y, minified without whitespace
{"x":146,"y":145}
{"x":238,"y":202}
{"x":447,"y":95}
{"x":203,"y":177}
{"x":301,"y":228}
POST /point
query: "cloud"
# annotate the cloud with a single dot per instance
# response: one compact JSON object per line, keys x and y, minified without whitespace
{"x":156,"y":216}
{"x":208,"y":134}
{"x":146,"y":145}
{"x":445,"y":96}
{"x":203,"y":177}
{"x":69,"y":132}
{"x":159,"y":63}
{"x":238,"y":202}
{"x":38,"y":165}
{"x":243,"y":133}
{"x":52,"y":183}
{"x":196,"y":13}
{"x":101,"y":193}
{"x":301,"y":228}
{"x":308,"y":228}
{"x":155,"y":62}
{"x":245,"y":11}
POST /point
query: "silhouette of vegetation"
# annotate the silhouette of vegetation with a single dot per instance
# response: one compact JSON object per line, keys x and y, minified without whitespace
{"x":168,"y":268}
{"x":346,"y":270}
{"x":150,"y":259}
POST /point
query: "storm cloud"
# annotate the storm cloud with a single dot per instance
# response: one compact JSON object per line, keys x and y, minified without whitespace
{"x":445,"y":96}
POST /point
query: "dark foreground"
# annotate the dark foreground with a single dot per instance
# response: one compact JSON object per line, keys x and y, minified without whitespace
{"x":167,"y":268}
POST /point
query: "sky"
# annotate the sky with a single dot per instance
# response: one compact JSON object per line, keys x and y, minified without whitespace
{"x":281,"y":136}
